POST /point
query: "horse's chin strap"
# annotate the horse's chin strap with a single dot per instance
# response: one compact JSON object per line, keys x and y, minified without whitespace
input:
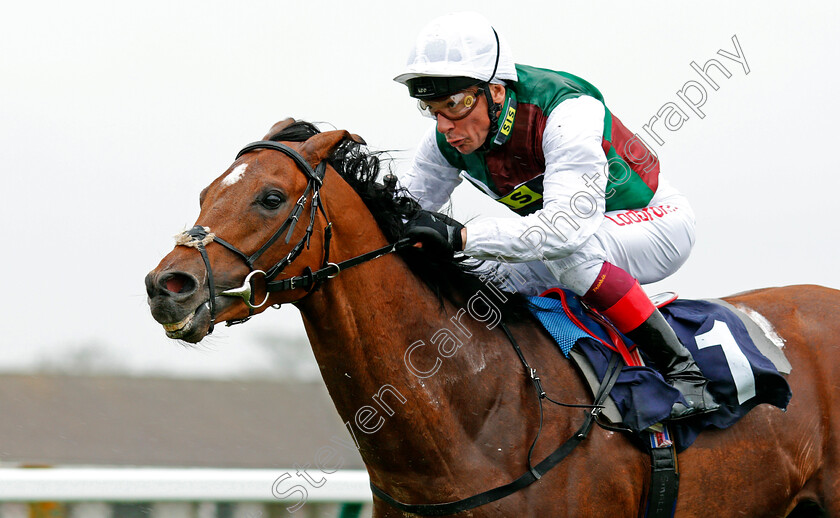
{"x":534,"y":473}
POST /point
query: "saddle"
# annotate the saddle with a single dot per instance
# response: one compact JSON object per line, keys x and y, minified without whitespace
{"x":744,"y":367}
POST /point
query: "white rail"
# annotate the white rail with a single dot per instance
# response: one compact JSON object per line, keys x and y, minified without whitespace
{"x":168,"y":485}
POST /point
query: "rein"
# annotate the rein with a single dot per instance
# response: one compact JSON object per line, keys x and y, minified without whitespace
{"x":198,"y":237}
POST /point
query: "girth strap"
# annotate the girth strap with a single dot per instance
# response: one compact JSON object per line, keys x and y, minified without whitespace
{"x":664,"y":483}
{"x":529,"y":477}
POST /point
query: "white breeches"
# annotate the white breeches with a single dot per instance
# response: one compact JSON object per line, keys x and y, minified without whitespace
{"x":650,"y":244}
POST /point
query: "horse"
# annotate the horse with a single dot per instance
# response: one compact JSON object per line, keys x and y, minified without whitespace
{"x":434,"y":397}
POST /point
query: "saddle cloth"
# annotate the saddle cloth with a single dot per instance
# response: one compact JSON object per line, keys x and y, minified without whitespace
{"x":740,"y":376}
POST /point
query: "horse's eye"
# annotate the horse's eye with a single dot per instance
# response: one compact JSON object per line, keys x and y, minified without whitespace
{"x":272,"y":200}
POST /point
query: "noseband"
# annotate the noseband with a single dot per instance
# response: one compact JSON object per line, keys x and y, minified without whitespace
{"x":198,"y":237}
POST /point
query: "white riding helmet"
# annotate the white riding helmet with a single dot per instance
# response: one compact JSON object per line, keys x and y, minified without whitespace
{"x":454,"y":52}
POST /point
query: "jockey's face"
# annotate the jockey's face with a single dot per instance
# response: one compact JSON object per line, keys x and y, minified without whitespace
{"x":468,"y":134}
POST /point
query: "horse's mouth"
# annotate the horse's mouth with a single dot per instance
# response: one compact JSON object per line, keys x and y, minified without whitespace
{"x":192,"y":327}
{"x":179,"y":329}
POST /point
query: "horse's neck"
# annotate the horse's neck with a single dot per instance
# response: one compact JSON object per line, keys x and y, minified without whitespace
{"x":381,"y":339}
{"x":426,"y":397}
{"x":361,"y":323}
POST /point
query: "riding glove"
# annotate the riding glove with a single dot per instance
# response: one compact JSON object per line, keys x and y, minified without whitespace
{"x":439,"y":234}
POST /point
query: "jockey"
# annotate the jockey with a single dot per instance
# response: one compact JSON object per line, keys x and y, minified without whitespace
{"x":595,"y":214}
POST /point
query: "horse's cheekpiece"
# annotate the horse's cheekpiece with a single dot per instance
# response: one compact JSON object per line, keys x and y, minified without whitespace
{"x":198,"y":237}
{"x":740,"y":375}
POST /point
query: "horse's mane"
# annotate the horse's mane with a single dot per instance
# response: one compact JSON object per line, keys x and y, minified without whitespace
{"x":391,"y":206}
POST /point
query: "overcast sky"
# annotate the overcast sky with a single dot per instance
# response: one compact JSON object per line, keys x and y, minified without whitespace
{"x":114,"y":115}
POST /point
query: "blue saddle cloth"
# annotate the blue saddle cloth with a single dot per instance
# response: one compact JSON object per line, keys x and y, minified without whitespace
{"x":740,"y":377}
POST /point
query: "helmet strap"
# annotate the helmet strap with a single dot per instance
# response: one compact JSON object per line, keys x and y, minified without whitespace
{"x":493,"y":108}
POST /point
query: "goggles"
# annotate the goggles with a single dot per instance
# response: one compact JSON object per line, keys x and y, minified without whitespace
{"x":453,"y":107}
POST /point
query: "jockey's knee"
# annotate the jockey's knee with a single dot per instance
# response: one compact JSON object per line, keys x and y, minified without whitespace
{"x":578,"y":277}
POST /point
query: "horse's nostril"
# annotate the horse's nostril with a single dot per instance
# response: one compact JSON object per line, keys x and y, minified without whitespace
{"x":175,"y":284}
{"x":178,"y":283}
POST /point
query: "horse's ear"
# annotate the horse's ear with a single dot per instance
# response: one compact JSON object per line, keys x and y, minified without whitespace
{"x":278,"y":127}
{"x":320,"y":146}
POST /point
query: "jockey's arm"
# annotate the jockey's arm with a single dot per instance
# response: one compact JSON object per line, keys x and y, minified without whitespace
{"x":575,"y":178}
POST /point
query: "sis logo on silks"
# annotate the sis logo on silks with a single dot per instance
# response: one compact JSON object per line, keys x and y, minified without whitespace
{"x":507,"y":125}
{"x":520,"y":197}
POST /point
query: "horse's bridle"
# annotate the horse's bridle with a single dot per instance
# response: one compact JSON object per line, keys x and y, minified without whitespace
{"x":199,"y":236}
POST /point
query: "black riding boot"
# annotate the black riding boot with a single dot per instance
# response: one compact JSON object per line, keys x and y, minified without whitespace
{"x":661,"y":345}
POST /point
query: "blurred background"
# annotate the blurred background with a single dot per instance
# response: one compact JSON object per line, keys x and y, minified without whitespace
{"x":114,"y":116}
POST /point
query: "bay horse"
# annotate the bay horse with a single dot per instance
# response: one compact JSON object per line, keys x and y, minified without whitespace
{"x":436,"y":400}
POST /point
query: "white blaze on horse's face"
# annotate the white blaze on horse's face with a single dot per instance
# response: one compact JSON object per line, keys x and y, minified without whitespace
{"x":234,"y":175}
